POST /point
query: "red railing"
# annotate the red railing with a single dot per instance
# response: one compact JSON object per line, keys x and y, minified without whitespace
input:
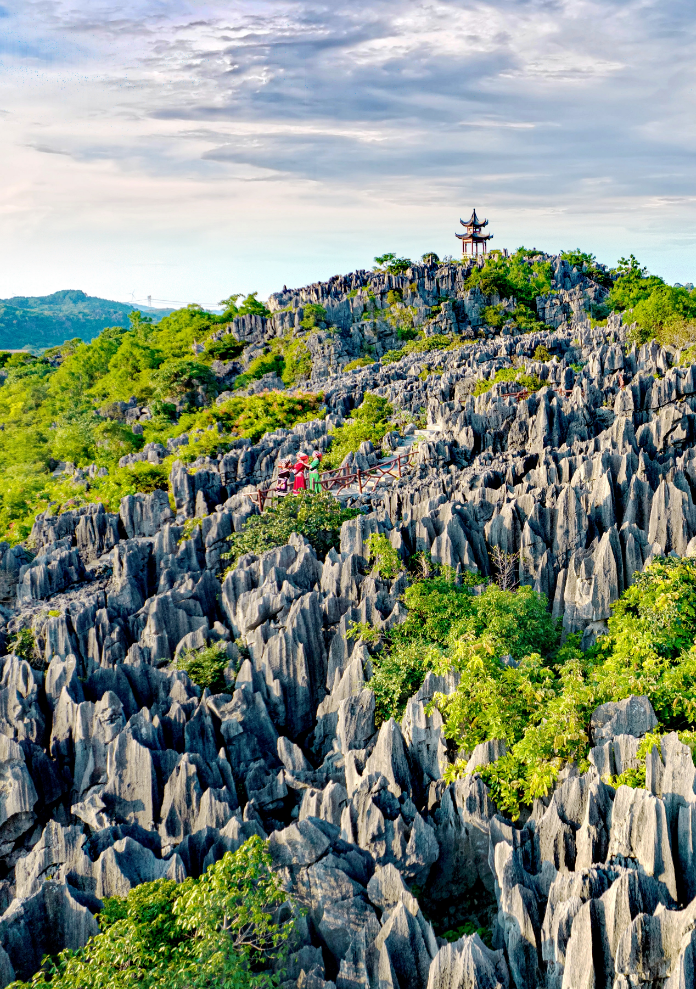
{"x":341,"y":477}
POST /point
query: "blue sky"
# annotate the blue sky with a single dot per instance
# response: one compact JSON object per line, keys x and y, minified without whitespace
{"x":189,"y":150}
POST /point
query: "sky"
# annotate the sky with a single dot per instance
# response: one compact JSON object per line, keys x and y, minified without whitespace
{"x":188,"y":150}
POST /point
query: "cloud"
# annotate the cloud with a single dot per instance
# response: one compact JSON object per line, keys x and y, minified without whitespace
{"x":557,"y":110}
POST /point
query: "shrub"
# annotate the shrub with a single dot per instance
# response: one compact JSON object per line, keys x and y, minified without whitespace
{"x":398,"y":673}
{"x":177,"y":376}
{"x":392,"y":264}
{"x":253,"y":415}
{"x":387,"y":562}
{"x":512,"y":277}
{"x":541,"y":353}
{"x":542,"y":707}
{"x":23,"y":644}
{"x":369,"y":422}
{"x":264,"y":364}
{"x":214,"y":931}
{"x":314,"y":314}
{"x":317,"y":517}
{"x":298,"y":362}
{"x":529,"y":381}
{"x":359,"y":362}
{"x":206,"y":667}
{"x":226,"y":349}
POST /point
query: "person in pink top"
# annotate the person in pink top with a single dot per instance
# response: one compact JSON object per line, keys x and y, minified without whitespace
{"x":300,"y":470}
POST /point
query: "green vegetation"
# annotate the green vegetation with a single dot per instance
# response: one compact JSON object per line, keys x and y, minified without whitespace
{"x":23,"y":645}
{"x":541,"y":353}
{"x":359,"y":362}
{"x":386,"y":561}
{"x":519,"y":683}
{"x":206,"y":667}
{"x":588,"y":264}
{"x":64,"y":406}
{"x":219,"y":930}
{"x":369,"y":422}
{"x":317,"y":517}
{"x":424,"y":345}
{"x":392,"y":264}
{"x":513,"y":277}
{"x":47,"y":320}
{"x":529,"y":381}
{"x":665,"y":312}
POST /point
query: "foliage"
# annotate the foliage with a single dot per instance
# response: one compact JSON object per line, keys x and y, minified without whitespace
{"x":228,"y":348}
{"x":298,"y":361}
{"x":314,"y":315}
{"x":387,"y":562}
{"x":206,"y":667}
{"x":542,"y":707}
{"x":398,"y":673}
{"x":317,"y":517}
{"x":529,"y":381}
{"x":214,"y":931}
{"x":47,"y":320}
{"x":392,"y":264}
{"x":358,"y":362}
{"x":23,"y":645}
{"x":430,"y":258}
{"x":466,"y":930}
{"x":177,"y":376}
{"x":541,"y":353}
{"x":665,"y":309}
{"x":369,"y":422}
{"x":588,"y":265}
{"x":512,"y":277}
{"x":268,"y":363}
{"x":632,"y":285}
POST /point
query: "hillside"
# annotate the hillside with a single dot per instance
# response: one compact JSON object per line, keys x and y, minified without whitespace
{"x":447,"y":721}
{"x":48,"y":320}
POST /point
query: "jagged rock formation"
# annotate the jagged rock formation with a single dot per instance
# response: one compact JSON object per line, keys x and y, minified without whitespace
{"x":117,"y":769}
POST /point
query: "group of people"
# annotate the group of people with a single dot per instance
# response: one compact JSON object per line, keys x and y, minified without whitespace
{"x":304,"y":474}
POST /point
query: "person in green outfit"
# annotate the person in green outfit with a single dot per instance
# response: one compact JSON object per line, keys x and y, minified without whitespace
{"x":313,"y":476}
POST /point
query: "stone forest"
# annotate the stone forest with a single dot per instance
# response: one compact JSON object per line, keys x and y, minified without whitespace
{"x":424,"y":720}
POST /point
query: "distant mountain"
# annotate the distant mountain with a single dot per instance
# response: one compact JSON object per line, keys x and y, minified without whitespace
{"x":48,"y":320}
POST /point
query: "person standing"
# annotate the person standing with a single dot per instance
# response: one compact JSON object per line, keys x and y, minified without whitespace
{"x":283,"y":480}
{"x":300,"y":471}
{"x":315,"y":464}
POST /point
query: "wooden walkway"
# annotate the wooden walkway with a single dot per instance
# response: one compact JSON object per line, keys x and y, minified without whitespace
{"x":341,"y":477}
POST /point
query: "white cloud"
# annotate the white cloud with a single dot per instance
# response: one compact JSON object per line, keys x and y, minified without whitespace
{"x":250,"y":144}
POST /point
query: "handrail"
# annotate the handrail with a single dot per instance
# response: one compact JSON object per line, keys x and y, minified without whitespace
{"x":339,"y":478}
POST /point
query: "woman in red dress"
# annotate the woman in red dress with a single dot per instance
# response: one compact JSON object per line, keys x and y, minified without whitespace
{"x":300,"y":470}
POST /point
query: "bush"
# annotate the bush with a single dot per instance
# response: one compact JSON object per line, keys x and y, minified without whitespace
{"x":529,"y":381}
{"x":264,"y":364}
{"x":218,"y":930}
{"x":542,"y":707}
{"x":541,"y":353}
{"x":226,"y":349}
{"x":254,"y":415}
{"x":177,"y":376}
{"x":369,"y":422}
{"x":512,"y":277}
{"x":387,"y":562}
{"x":359,"y":362}
{"x":317,"y":517}
{"x":206,"y":667}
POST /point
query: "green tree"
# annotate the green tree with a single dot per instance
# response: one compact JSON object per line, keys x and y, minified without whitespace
{"x":220,"y":930}
{"x":317,"y":517}
{"x":369,"y":422}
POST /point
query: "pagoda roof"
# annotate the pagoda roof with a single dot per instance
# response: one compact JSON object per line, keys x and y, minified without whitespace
{"x":474,"y":237}
{"x":474,"y":221}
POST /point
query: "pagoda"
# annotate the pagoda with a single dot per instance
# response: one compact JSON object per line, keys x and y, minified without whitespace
{"x":473,"y":236}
